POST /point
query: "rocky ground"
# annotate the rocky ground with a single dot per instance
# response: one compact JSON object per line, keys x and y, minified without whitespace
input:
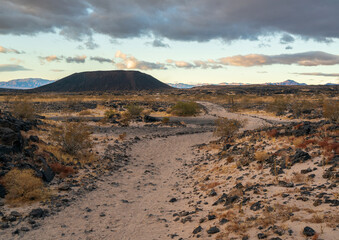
{"x":181,"y":182}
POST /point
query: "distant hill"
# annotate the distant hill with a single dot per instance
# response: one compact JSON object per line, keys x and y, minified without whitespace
{"x":105,"y":81}
{"x":181,"y":85}
{"x":287,"y":82}
{"x":331,"y":84}
{"x":26,"y":83}
{"x":233,"y":84}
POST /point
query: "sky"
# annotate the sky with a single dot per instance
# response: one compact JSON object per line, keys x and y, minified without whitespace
{"x":176,"y":41}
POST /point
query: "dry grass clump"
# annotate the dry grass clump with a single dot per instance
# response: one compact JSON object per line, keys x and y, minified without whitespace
{"x":298,"y":142}
{"x":122,"y":136}
{"x":208,"y":186}
{"x":165,"y":120}
{"x":278,"y":106}
{"x":298,"y":178}
{"x":23,"y":187}
{"x":85,"y":112}
{"x":134,"y":111}
{"x":331,"y":110}
{"x":272,"y":133}
{"x":72,"y":137}
{"x":62,"y":170}
{"x":185,"y":109}
{"x":227,"y":127}
{"x":23,"y":109}
{"x":261,"y":156}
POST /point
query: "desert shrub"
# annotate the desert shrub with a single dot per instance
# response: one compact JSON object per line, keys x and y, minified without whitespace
{"x":261,"y":156}
{"x":85,"y":112}
{"x":72,"y":137}
{"x":122,"y":136}
{"x":227,"y":127}
{"x":299,"y":107}
{"x":22,"y":186}
{"x":278,"y":106}
{"x":185,"y":109}
{"x":165,"y":120}
{"x":272,"y":133}
{"x":134,"y":110}
{"x":331,"y":110}
{"x":298,"y":142}
{"x":62,"y":170}
{"x":23,"y":109}
{"x":109,"y":113}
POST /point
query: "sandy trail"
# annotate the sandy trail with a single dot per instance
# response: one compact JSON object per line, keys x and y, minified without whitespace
{"x":133,"y":203}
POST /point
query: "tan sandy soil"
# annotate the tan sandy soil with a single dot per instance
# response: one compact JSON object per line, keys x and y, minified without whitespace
{"x":133,"y":203}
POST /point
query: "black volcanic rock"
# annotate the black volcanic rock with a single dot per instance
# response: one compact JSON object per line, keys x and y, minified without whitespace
{"x":104,"y":81}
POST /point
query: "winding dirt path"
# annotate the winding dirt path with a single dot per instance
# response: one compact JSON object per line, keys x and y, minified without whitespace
{"x":134,"y":203}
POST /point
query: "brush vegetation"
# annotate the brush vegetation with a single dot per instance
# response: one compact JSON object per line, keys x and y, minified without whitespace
{"x":185,"y":109}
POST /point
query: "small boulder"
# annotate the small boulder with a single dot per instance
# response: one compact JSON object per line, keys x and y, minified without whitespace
{"x":213,"y":230}
{"x":309,"y":232}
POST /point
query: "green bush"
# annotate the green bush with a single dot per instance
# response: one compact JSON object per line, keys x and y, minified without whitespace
{"x":185,"y":109}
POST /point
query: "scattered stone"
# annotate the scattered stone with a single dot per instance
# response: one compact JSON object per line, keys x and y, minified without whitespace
{"x":197,"y":230}
{"x":256,"y":206}
{"x":213,"y":230}
{"x":37,"y":213}
{"x":173,"y":200}
{"x":262,"y":236}
{"x":309,"y":232}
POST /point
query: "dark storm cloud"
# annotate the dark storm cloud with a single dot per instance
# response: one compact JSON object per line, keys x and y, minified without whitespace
{"x":12,"y":68}
{"x":286,"y":39}
{"x":159,"y":43}
{"x":198,"y":20}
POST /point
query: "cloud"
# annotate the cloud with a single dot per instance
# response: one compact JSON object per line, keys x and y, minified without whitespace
{"x":158,"y":43}
{"x":303,"y":59}
{"x":130,"y":62}
{"x":9,"y":50}
{"x":195,"y":64}
{"x":102,"y":60}
{"x":286,"y":39}
{"x":190,"y":20}
{"x":90,"y":44}
{"x":12,"y":68}
{"x":320,"y":74}
{"x":77,"y":59}
{"x":57,"y":70}
{"x":50,"y":58}
{"x":16,"y":60}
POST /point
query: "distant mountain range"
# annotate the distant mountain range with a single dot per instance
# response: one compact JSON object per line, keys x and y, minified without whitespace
{"x":26,"y":83}
{"x":30,"y":83}
{"x":117,"y":80}
{"x":287,"y":83}
{"x":181,"y":85}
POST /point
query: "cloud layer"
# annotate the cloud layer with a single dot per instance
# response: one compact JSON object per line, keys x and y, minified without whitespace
{"x":8,"y":50}
{"x":314,"y":58}
{"x":12,"y":68}
{"x":197,"y":20}
{"x":130,"y":62}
